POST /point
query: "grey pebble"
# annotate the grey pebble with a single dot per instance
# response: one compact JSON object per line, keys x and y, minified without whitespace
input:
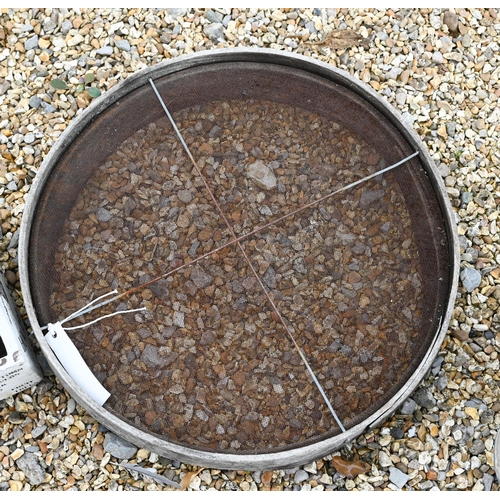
{"x":300,"y":476}
{"x":488,"y":481}
{"x":123,"y":45}
{"x":207,"y":338}
{"x":29,"y":138}
{"x":14,"y":240}
{"x":401,"y":98}
{"x":38,"y":431}
{"x":118,"y":447}
{"x":256,"y":476}
{"x":152,"y":357}
{"x":426,"y":485}
{"x":397,"y":433}
{"x":48,"y":25}
{"x":31,"y":467}
{"x":213,"y":17}
{"x":185,"y":195}
{"x":103,"y":215}
{"x":436,"y":365}
{"x":466,"y":197}
{"x":408,"y":117}
{"x":215,"y":132}
{"x":107,"y":50}
{"x":215,"y":32}
{"x":471,"y":278}
{"x":451,"y":128}
{"x":398,"y":477}
{"x":269,"y":277}
{"x":408,"y":407}
{"x":310,"y":27}
{"x":441,"y":382}
{"x":423,"y":397}
{"x":393,"y":74}
{"x":437,"y":57}
{"x":477,"y":447}
{"x":71,"y":406}
{"x":66,"y":26}
{"x":4,"y":86}
{"x":175,"y":13}
{"x":200,"y":278}
{"x":35,"y":101}
{"x":48,"y":108}
{"x":31,"y":43}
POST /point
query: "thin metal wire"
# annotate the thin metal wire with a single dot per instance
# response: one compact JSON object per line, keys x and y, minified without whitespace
{"x":86,"y":309}
{"x":240,"y":246}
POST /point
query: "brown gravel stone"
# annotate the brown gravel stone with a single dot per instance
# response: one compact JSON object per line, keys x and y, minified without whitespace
{"x":460,"y":335}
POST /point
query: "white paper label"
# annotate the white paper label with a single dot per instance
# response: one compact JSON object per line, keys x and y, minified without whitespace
{"x":73,"y":363}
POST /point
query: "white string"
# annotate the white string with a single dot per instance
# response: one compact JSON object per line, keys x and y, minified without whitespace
{"x":104,"y":317}
{"x":90,"y":307}
{"x":84,"y":310}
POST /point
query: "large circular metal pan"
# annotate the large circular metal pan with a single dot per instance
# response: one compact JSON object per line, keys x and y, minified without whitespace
{"x":227,"y":74}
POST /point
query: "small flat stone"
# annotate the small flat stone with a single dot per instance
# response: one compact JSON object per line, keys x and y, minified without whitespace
{"x":185,"y":195}
{"x":451,"y":20}
{"x":471,"y":278}
{"x":460,"y":335}
{"x":107,"y":50}
{"x":178,"y":319}
{"x":200,"y":278}
{"x":300,"y":476}
{"x":66,"y":26}
{"x":118,"y":447}
{"x":31,"y":43}
{"x":98,"y":451}
{"x":397,"y":433}
{"x":175,"y":13}
{"x":384,"y":459}
{"x":123,"y":45}
{"x":4,"y":86}
{"x":32,"y":469}
{"x":423,"y":397}
{"x":35,"y":101}
{"x":207,"y":338}
{"x":11,"y":276}
{"x":408,"y":407}
{"x":398,"y":477}
{"x":14,"y":240}
{"x":103,"y":215}
{"x":262,"y":175}
{"x":213,"y":17}
{"x":29,"y":138}
{"x":215,"y":32}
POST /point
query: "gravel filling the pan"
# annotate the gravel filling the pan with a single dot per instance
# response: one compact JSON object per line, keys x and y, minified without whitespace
{"x":209,"y":365}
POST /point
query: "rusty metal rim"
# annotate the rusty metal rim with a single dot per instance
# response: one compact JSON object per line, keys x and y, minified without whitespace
{"x":260,"y":461}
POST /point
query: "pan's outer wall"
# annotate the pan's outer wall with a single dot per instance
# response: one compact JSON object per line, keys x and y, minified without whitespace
{"x":266,"y":461}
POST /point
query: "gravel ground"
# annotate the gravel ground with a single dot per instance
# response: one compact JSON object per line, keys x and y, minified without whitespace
{"x":439,"y":68}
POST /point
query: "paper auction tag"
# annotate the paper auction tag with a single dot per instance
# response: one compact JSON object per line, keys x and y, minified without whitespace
{"x":74,"y":364}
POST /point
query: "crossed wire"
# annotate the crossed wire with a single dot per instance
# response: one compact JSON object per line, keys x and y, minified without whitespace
{"x":237,"y":241}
